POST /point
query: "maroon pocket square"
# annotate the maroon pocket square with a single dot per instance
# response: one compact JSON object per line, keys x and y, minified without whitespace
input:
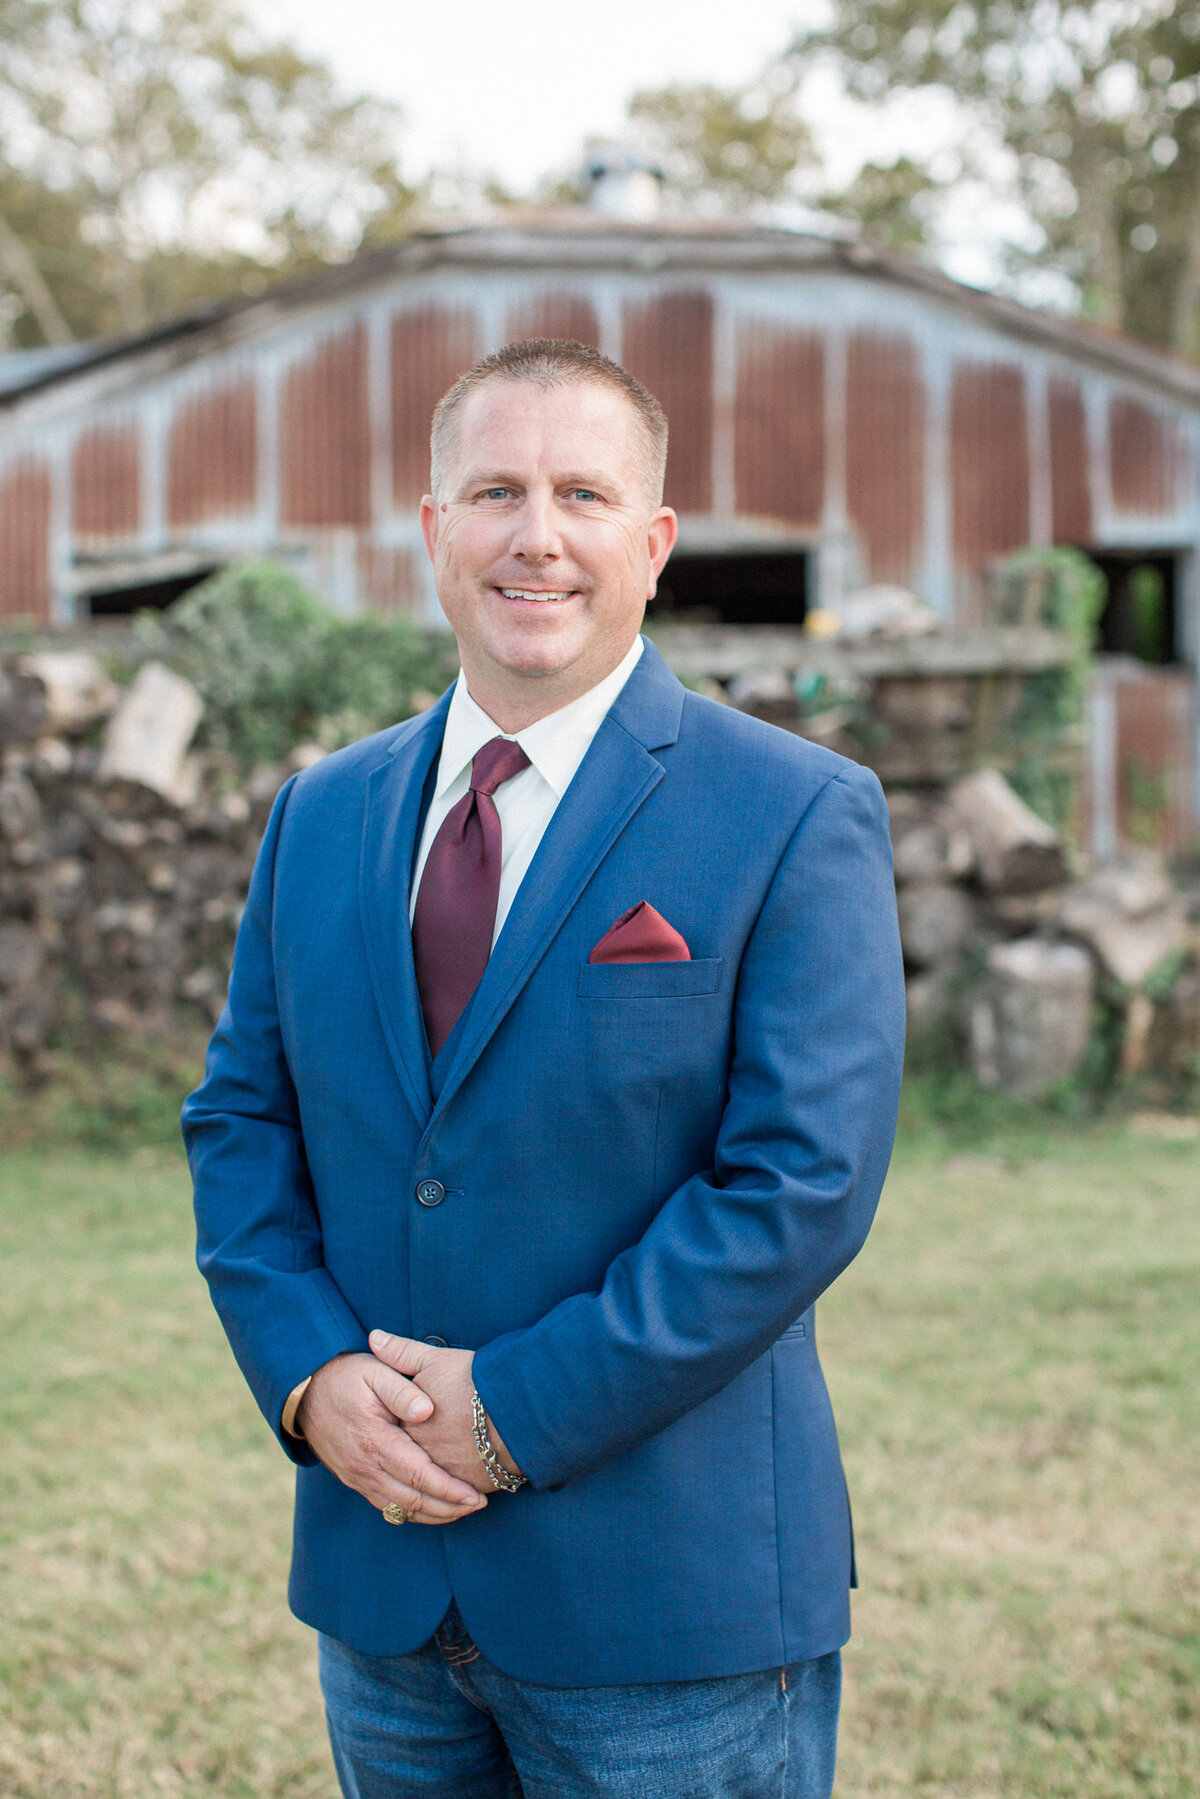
{"x":641,"y":935}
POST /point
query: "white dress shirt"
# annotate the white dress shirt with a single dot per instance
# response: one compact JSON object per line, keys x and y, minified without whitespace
{"x":555,"y":745}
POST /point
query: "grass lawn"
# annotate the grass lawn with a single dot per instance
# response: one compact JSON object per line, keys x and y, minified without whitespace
{"x":1015,"y":1362}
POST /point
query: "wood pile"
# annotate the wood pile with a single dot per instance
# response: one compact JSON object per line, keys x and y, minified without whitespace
{"x":124,"y":856}
{"x":1008,"y":952}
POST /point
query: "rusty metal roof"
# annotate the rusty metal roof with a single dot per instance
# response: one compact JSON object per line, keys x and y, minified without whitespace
{"x":576,"y":240}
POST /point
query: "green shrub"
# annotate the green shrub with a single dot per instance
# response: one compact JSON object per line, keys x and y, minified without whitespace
{"x":275,"y":666}
{"x":1069,"y":592}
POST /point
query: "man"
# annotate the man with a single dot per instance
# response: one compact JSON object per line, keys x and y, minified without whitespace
{"x":557,"y":1080}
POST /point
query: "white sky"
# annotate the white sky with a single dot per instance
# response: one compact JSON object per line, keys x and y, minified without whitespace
{"x":514,"y":88}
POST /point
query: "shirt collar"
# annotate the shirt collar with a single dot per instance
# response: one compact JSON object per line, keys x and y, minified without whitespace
{"x":555,"y":745}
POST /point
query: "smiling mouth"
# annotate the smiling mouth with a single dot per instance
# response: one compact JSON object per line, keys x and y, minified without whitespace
{"x":539,"y":596}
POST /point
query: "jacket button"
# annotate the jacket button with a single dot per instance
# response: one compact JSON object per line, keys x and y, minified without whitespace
{"x":435,"y":1342}
{"x":430,"y":1193}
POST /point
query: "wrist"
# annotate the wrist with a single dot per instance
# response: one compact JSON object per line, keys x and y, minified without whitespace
{"x":498,"y":1464}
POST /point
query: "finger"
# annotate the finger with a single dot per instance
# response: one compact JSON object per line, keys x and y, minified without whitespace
{"x":405,"y":1461}
{"x":420,"y":1507}
{"x":404,"y":1354}
{"x":402,"y":1399}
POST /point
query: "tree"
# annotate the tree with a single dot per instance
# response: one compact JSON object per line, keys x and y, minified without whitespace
{"x":749,"y":148}
{"x":891,"y":202}
{"x":726,"y":147}
{"x":152,"y":155}
{"x":1093,"y":106}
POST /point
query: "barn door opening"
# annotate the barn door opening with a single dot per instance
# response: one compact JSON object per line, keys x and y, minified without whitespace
{"x":1139,"y":617}
{"x":124,"y":601}
{"x":1141,"y":786}
{"x":746,"y":587}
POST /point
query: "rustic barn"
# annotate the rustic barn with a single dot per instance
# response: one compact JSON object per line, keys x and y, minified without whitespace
{"x":839,"y":416}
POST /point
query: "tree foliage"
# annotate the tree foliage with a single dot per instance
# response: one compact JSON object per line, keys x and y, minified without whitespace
{"x":275,"y":666}
{"x":1094,"y":105}
{"x":750,"y":148}
{"x":152,"y":154}
{"x":726,"y":146}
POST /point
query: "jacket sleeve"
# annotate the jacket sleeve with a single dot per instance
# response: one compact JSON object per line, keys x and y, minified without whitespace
{"x":740,"y":1250}
{"x":258,"y":1234}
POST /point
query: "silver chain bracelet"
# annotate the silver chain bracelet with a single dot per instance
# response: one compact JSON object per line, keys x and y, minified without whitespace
{"x":497,"y":1473}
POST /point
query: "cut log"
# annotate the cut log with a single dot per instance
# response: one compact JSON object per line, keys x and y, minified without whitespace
{"x":930,"y":850}
{"x":21,"y":957}
{"x":936,"y":921}
{"x":148,"y":735}
{"x":1028,"y":1023}
{"x":1129,"y":914}
{"x":1015,"y":850}
{"x":22,"y":707}
{"x":77,"y":690}
{"x":20,"y":808}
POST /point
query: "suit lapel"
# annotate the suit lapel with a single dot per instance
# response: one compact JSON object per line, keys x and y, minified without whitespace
{"x":615,"y":778}
{"x":393,"y":811}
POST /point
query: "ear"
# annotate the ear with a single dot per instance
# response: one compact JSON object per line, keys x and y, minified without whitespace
{"x":430,"y":520}
{"x":662,"y":532}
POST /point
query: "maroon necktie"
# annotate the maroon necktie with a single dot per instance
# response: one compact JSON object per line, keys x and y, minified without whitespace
{"x":455,"y":914}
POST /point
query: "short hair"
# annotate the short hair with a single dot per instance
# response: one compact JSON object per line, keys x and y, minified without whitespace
{"x":553,"y":362}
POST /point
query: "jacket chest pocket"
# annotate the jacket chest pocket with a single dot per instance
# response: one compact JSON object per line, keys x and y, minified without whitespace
{"x":650,"y":980}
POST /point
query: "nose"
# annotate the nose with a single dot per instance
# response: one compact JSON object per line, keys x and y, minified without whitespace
{"x":536,"y":536}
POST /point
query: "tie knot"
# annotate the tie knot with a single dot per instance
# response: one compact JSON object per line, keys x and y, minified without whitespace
{"x":497,"y":762}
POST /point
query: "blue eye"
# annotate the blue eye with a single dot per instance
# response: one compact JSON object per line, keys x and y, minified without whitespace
{"x":585,"y":493}
{"x":496,"y":493}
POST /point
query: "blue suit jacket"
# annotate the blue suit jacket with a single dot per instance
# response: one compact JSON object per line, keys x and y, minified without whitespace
{"x":651,"y":1172}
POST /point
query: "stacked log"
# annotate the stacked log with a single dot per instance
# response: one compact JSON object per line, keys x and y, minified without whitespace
{"x":124,"y":855}
{"x":1008,"y":953}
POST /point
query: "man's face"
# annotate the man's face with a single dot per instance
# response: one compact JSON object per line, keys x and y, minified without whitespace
{"x":544,"y":545}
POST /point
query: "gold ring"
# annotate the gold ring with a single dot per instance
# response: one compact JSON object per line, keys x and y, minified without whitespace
{"x":395,"y":1514}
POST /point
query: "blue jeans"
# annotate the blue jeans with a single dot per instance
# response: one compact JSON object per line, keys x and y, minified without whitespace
{"x":445,"y":1723}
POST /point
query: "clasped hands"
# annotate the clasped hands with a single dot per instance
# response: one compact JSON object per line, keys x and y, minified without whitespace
{"x":396,"y":1425}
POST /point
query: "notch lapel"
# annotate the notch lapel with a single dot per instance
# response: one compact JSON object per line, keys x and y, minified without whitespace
{"x":614,"y":780}
{"x":391,"y":818}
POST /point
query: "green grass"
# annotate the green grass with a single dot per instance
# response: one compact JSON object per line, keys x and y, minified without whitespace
{"x":1014,"y":1361}
{"x":145,"y":1647}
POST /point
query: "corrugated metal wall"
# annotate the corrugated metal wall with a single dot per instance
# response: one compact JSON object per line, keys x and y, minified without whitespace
{"x":899,"y":438}
{"x":816,"y":410}
{"x":212,"y":455}
{"x":25,"y":498}
{"x":779,"y":424}
{"x":885,"y":451}
{"x":668,"y":345}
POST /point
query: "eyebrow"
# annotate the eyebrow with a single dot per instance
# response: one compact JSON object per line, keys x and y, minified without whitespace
{"x":498,"y":478}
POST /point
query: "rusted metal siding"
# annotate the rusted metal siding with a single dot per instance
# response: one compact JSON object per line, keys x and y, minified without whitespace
{"x":1141,"y":786}
{"x":668,"y":345}
{"x":555,"y":315}
{"x":325,"y":436}
{"x":885,"y":451}
{"x":989,"y":463}
{"x":779,"y":424}
{"x":431,"y":347}
{"x":25,"y":541}
{"x":1144,"y":456}
{"x":388,"y":580}
{"x":1070,"y":487}
{"x":212,"y":455}
{"x":1156,"y":737}
{"x":106,"y":482}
